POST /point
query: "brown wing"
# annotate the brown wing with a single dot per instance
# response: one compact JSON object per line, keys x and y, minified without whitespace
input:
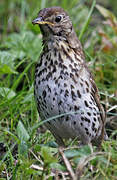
{"x":97,"y":100}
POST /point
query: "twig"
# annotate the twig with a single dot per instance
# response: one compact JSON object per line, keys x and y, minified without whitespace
{"x":67,"y":163}
{"x":36,"y":156}
{"x":83,"y":162}
{"x":113,"y":107}
{"x":36,"y":167}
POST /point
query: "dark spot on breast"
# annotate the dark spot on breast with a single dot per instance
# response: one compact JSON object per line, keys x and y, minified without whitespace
{"x":60,"y":65}
{"x":66,"y":93}
{"x":78,"y":93}
{"x":76,"y":74}
{"x":51,"y":63}
{"x":56,"y":93}
{"x":94,"y":108}
{"x":75,"y":70}
{"x":87,"y":120}
{"x":61,"y":72}
{"x":92,"y":98}
{"x":55,"y":51}
{"x":44,"y":94}
{"x":87,"y":90}
{"x":73,"y":95}
{"x":93,"y":90}
{"x":48,"y":76}
{"x":39,"y":97}
{"x":70,"y":65}
{"x":67,"y":54}
{"x":87,"y":83}
{"x":82,"y":118}
{"x":44,"y":101}
{"x":76,"y":108}
{"x":99,"y":119}
{"x":60,"y":59}
{"x":56,"y":81}
{"x":64,"y":67}
{"x":43,"y":79}
{"x":67,"y":118}
{"x":89,"y":113}
{"x":60,"y":77}
{"x":74,"y":122}
{"x":48,"y":114}
{"x":54,"y":69}
{"x":75,"y":64}
{"x":45,"y":63}
{"x":49,"y":89}
{"x":39,"y":82}
{"x":61,"y":91}
{"x":93,"y":124}
{"x":56,"y":62}
{"x":90,"y":102}
{"x":86,"y":103}
{"x":82,"y":112}
{"x":68,"y":49}
{"x":94,"y":119}
{"x":45,"y":70}
{"x":38,"y":105}
{"x":44,"y":104}
{"x":81,"y":84}
{"x":60,"y":102}
{"x":65,"y":85}
{"x":47,"y":56}
{"x":73,"y":78}
{"x":94,"y":129}
{"x":81,"y":124}
{"x":72,"y":87}
{"x":66,"y":73}
{"x":53,"y":98}
{"x":70,"y":108}
{"x":40,"y":73}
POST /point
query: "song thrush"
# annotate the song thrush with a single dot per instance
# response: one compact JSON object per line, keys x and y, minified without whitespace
{"x":63,"y":82}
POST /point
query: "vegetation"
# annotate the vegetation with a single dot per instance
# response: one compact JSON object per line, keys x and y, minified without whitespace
{"x":27,"y":151}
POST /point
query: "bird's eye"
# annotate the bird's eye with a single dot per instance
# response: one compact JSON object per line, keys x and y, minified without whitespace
{"x":58,"y":19}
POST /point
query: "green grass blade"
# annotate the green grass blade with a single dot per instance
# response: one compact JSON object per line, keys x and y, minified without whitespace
{"x":84,"y":28}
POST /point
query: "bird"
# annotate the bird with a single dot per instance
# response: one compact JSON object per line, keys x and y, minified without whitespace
{"x":64,"y":87}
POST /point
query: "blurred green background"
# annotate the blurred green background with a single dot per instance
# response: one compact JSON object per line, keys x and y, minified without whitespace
{"x":20,"y":47}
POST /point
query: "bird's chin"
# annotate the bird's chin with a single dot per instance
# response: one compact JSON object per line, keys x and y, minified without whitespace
{"x":44,"y":29}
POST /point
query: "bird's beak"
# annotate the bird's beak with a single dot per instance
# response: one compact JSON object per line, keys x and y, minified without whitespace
{"x":39,"y":20}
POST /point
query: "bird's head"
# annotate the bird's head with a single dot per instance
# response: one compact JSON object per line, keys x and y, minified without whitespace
{"x":53,"y":21}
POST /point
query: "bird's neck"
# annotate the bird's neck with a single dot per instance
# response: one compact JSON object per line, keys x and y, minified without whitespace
{"x":70,"y":41}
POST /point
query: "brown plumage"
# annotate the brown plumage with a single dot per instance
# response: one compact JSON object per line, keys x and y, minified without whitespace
{"x":63,"y":83}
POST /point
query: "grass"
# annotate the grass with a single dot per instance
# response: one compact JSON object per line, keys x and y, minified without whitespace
{"x":27,"y":151}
